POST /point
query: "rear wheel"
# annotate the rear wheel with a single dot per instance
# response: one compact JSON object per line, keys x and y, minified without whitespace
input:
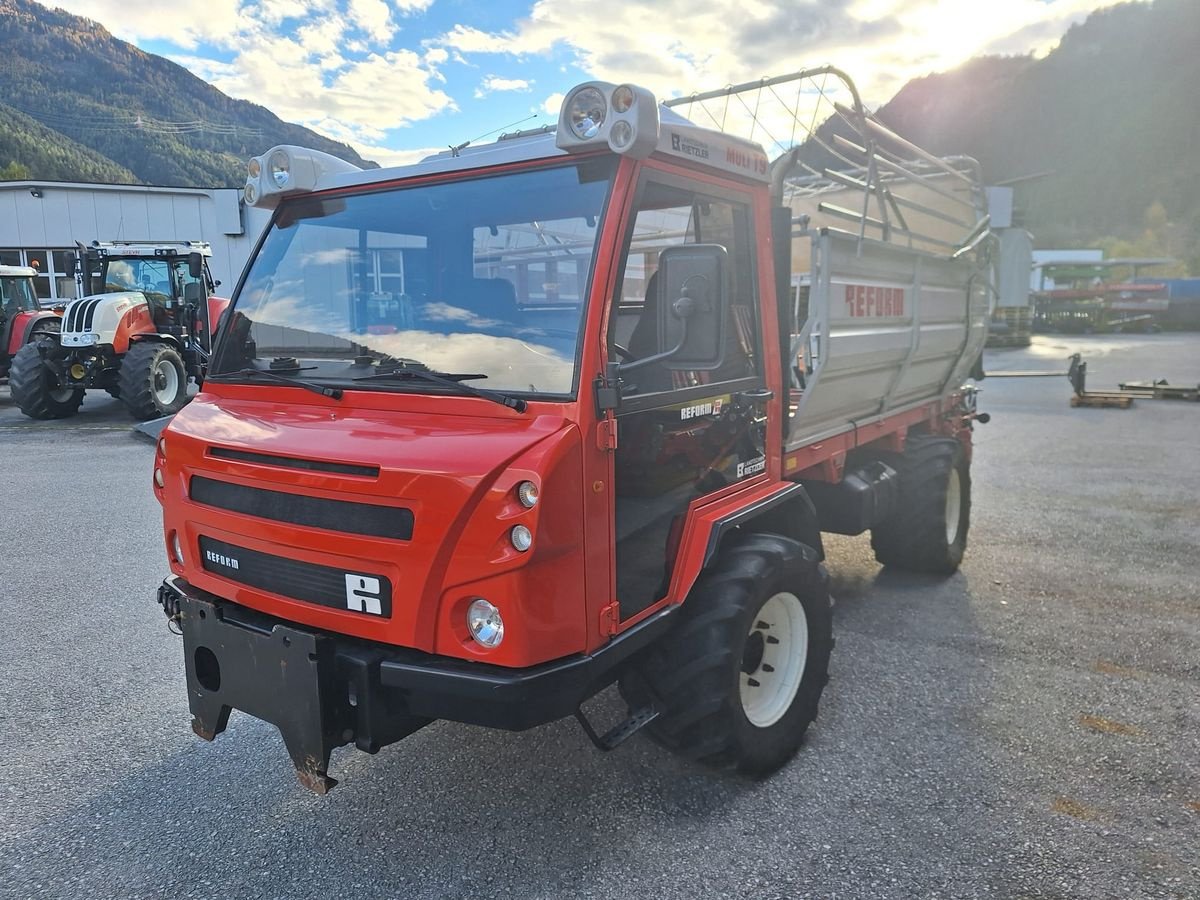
{"x":738,"y":681}
{"x":36,"y":389}
{"x":928,"y":530}
{"x":152,"y":381}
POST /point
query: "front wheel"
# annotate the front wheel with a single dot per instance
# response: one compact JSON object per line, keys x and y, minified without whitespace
{"x":36,"y":389}
{"x":739,"y":680}
{"x":152,"y":381}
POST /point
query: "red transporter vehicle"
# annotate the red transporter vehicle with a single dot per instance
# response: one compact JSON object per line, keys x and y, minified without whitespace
{"x":487,"y":434}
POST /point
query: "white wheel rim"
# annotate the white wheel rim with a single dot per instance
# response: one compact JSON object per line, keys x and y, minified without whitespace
{"x":165,"y":374}
{"x":62,"y":395}
{"x":953,"y":506}
{"x":780,"y":632}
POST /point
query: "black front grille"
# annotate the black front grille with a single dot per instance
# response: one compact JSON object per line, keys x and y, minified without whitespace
{"x":336,"y":588}
{"x":395,"y":522}
{"x":294,"y":462}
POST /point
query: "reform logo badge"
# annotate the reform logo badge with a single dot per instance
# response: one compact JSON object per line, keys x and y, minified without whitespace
{"x":363,"y":593}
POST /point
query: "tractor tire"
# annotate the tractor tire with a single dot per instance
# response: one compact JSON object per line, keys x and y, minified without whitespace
{"x":152,"y":382}
{"x":737,"y":682}
{"x":35,"y":388}
{"x":928,"y":531}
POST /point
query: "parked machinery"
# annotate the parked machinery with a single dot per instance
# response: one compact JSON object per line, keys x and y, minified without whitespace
{"x":22,"y":319}
{"x":141,"y":328}
{"x":487,"y":434}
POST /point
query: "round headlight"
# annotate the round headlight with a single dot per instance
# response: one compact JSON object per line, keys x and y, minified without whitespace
{"x":250,"y":194}
{"x":622,"y":98}
{"x":162,"y":447}
{"x":254,"y":167}
{"x":158,"y":477}
{"x":280,"y":168}
{"x":522,"y":537}
{"x":621,"y":135}
{"x":527,"y":493}
{"x":586,"y":113}
{"x":177,"y":547}
{"x":485,"y":623}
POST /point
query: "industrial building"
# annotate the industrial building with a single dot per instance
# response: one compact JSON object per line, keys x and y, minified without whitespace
{"x":41,"y":221}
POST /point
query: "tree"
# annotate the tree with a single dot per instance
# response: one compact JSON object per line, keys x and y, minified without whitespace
{"x":15,"y":171}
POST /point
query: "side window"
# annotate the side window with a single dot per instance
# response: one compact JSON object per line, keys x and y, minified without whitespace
{"x":668,"y":216}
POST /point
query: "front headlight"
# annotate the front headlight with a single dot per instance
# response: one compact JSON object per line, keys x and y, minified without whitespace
{"x":281,"y":168}
{"x":485,"y":623}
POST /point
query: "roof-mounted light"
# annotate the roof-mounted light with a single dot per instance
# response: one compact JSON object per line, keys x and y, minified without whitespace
{"x":596,"y":114}
{"x":288,"y":170}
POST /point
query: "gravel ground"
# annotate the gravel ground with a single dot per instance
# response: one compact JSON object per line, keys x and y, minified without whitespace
{"x":1027,"y":728}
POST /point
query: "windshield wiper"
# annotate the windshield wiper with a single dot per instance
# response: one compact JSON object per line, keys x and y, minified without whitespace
{"x":451,"y":380}
{"x":250,"y":372}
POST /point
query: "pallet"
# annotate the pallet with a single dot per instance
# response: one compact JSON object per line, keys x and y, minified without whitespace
{"x":1160,"y":390}
{"x":1103,"y":399}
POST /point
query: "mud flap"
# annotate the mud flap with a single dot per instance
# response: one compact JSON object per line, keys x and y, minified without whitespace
{"x":283,"y":676}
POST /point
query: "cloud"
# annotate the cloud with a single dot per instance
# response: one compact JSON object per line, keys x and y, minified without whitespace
{"x":186,"y":26}
{"x":328,"y":64}
{"x":679,"y":46}
{"x":493,"y":83}
{"x":372,"y":16}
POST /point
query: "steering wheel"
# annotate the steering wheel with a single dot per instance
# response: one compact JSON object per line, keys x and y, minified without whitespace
{"x":622,"y":352}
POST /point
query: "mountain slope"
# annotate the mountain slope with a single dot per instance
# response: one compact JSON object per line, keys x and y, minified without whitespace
{"x":1110,"y":113}
{"x":52,"y":156}
{"x":75,"y":78}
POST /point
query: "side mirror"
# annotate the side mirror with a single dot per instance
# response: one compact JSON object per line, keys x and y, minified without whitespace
{"x":693,"y":303}
{"x":195,"y":265}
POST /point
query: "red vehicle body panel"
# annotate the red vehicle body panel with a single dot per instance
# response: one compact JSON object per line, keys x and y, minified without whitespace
{"x":137,"y":320}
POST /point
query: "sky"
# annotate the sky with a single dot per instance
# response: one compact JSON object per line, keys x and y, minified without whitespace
{"x":399,"y":79}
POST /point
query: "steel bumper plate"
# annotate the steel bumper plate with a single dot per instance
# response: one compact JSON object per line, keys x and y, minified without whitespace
{"x":282,"y":675}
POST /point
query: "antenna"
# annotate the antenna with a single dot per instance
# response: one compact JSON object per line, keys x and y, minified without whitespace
{"x":456,"y":149}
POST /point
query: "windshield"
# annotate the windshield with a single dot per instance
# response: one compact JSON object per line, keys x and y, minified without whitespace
{"x":17,"y":294}
{"x":487,"y":276}
{"x":159,"y":278}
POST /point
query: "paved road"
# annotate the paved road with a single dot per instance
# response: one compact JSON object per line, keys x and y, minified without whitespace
{"x":1029,"y":727}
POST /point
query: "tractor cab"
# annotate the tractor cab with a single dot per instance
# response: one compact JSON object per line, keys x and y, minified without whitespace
{"x":16,"y":293}
{"x":174,"y":278}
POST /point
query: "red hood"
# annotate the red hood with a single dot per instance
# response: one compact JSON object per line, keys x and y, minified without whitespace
{"x":455,"y":473}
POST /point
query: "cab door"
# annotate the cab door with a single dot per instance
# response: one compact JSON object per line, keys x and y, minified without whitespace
{"x":682,"y":435}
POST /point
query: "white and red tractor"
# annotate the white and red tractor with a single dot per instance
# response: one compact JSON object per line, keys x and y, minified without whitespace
{"x":140,"y":330}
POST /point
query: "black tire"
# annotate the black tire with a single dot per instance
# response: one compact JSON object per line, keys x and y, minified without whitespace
{"x":144,"y":383}
{"x":917,"y":536}
{"x":35,"y":387}
{"x":693,"y":674}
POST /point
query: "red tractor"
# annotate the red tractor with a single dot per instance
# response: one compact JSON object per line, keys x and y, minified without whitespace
{"x":141,"y":328}
{"x":22,"y":319}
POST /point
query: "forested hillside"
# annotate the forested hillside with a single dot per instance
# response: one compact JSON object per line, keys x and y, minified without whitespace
{"x":1111,"y":116}
{"x":31,"y":150}
{"x":90,"y":90}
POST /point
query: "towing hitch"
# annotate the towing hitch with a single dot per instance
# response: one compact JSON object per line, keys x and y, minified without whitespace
{"x":297,"y":680}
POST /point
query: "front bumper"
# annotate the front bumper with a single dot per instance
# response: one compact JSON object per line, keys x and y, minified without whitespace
{"x":323,"y":690}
